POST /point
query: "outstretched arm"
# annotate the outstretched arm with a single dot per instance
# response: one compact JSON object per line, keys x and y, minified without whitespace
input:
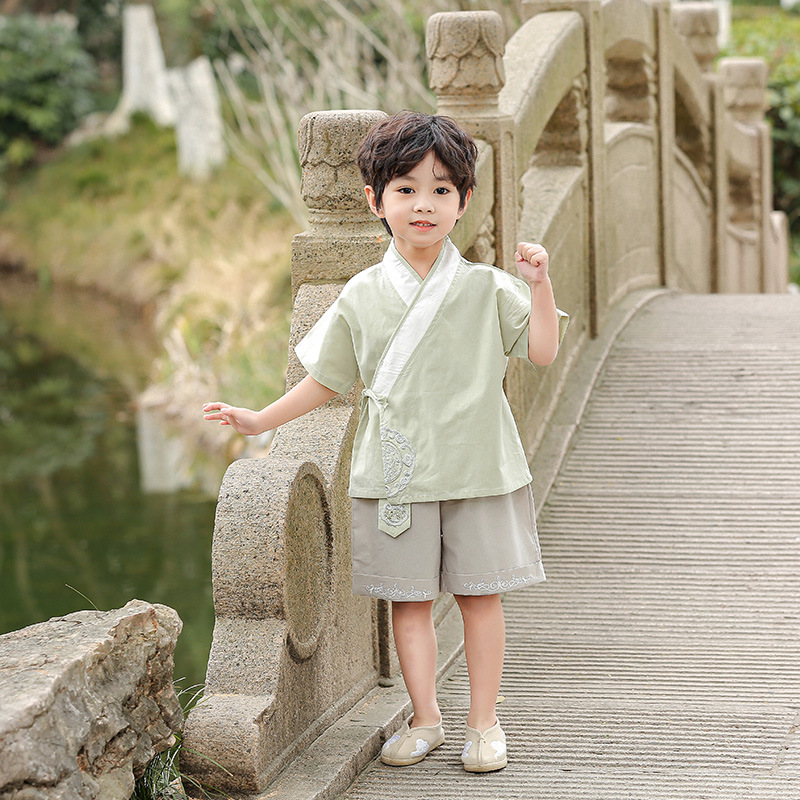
{"x":306,"y":396}
{"x":532,"y":262}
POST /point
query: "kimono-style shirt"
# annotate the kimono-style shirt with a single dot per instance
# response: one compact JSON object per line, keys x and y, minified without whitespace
{"x":434,"y":421}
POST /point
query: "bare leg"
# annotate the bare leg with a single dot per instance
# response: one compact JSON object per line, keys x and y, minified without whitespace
{"x":484,"y":645}
{"x":415,"y":640}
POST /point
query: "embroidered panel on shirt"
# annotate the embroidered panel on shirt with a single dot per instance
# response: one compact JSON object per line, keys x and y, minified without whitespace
{"x":399,"y":460}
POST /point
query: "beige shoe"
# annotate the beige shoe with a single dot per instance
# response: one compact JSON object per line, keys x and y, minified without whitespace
{"x":484,"y":752}
{"x":410,"y":745}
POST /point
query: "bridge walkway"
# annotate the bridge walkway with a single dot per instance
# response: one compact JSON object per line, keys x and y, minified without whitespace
{"x":661,"y":659}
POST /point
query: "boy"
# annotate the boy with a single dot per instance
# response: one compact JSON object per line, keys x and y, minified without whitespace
{"x":439,"y":480}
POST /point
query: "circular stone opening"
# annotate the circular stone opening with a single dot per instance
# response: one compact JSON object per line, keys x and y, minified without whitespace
{"x":309,"y":558}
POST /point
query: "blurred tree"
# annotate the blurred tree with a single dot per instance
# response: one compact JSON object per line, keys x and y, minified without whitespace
{"x":45,"y":80}
{"x":38,"y":6}
{"x":100,"y":29}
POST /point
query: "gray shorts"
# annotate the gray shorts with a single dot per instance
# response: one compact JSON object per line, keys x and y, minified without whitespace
{"x":477,"y":546}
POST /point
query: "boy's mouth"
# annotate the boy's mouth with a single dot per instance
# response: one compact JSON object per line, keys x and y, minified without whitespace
{"x":423,"y":224}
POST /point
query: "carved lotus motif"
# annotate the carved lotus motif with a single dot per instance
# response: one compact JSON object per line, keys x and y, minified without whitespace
{"x":466,"y":52}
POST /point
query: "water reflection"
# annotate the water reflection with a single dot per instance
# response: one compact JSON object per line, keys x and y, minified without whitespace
{"x":71,"y":509}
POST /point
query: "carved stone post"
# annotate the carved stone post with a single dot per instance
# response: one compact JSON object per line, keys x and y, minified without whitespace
{"x":698,"y":24}
{"x":343,"y":236}
{"x":198,"y":126}
{"x":744,"y":92}
{"x":665,"y":127}
{"x":465,"y":52}
{"x":465,"y":49}
{"x":744,"y":83}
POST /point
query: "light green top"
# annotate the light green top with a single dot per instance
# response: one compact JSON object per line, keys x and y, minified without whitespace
{"x":437,"y":425}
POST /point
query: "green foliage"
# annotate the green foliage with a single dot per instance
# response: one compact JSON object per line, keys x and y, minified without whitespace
{"x":100,"y":28}
{"x":758,"y":3}
{"x":45,"y":80}
{"x":162,"y":778}
{"x":159,"y":779}
{"x":773,"y":34}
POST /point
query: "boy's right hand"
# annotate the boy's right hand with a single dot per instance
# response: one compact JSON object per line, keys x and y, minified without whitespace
{"x":242,"y":420}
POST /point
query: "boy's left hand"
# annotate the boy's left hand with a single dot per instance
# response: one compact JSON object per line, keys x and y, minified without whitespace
{"x":532,"y":261}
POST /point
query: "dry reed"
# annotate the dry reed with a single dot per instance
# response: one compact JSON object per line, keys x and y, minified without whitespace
{"x":333,"y":59}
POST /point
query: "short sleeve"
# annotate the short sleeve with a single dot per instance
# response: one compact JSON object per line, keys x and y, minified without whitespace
{"x":514,"y":307}
{"x":514,"y":310}
{"x":327,"y":353}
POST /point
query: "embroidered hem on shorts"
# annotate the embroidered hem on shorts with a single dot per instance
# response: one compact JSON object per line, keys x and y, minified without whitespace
{"x":394,"y":589}
{"x":494,"y":583}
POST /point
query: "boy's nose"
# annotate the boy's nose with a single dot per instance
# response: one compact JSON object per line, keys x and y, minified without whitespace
{"x":423,"y":204}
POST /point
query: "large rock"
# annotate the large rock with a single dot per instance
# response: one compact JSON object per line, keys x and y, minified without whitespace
{"x":86,"y":701}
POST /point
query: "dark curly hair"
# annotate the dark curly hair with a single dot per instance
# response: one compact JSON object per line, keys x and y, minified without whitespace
{"x":395,"y":145}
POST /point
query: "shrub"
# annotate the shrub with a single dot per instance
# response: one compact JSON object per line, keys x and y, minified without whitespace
{"x":100,"y":28}
{"x":45,"y":80}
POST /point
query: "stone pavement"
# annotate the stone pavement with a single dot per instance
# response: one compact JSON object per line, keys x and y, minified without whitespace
{"x":661,"y":659}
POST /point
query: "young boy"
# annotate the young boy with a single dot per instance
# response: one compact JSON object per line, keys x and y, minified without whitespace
{"x":439,"y":480}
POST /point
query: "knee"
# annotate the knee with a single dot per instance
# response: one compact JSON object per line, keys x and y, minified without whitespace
{"x":412,"y":611}
{"x":478,"y":605}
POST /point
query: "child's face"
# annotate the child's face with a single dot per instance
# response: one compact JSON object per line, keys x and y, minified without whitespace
{"x":421,"y":207}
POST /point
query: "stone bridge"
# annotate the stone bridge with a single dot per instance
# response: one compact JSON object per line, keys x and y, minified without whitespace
{"x":660,"y":659}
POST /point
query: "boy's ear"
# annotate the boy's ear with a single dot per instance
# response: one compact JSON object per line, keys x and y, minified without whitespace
{"x":465,"y":204}
{"x":370,"y":192}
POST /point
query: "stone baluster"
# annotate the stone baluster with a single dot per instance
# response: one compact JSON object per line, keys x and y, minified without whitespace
{"x":698,"y":25}
{"x":744,"y":96}
{"x":343,"y":236}
{"x":744,"y":82}
{"x":465,"y":53}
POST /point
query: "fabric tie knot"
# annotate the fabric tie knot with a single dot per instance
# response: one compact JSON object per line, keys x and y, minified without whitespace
{"x":379,"y":401}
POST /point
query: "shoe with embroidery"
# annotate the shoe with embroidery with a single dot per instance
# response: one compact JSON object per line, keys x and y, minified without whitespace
{"x":410,"y":745}
{"x":484,"y":752}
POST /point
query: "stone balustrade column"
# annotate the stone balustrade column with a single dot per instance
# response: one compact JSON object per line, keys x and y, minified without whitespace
{"x":744,"y":82}
{"x":465,"y":51}
{"x":465,"y":54}
{"x":343,"y":236}
{"x":744,"y":94}
{"x":698,"y":25}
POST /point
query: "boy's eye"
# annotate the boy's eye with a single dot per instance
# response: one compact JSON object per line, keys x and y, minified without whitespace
{"x":442,"y":190}
{"x":405,"y":190}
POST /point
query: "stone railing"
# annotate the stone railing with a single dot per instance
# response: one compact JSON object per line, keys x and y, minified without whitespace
{"x":603,"y":134}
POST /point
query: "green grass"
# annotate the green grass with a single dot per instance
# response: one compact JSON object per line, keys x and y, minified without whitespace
{"x":93,"y":213}
{"x":211,"y":260}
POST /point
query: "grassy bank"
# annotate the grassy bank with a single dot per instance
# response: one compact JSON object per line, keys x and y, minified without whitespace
{"x":209,"y":263}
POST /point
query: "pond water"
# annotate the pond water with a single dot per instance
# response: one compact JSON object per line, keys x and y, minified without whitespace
{"x":76,"y":529}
